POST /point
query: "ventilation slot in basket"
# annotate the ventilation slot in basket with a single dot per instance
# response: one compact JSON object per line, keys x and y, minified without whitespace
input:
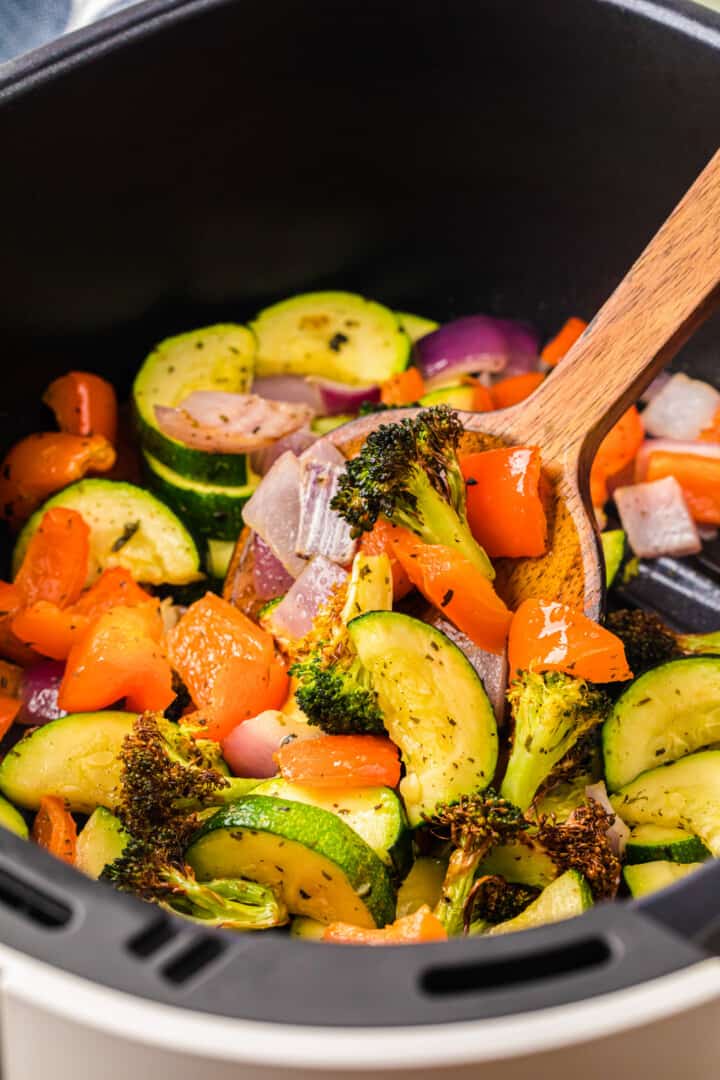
{"x":190,"y":962}
{"x":536,"y":966}
{"x":152,"y":938}
{"x":32,"y":904}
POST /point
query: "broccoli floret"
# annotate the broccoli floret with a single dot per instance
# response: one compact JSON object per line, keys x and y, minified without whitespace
{"x":474,"y":826}
{"x":408,"y":472}
{"x":493,"y":900}
{"x":648,"y":641}
{"x":581,"y":843}
{"x":158,"y":875}
{"x":337,"y":695}
{"x":553,"y":714}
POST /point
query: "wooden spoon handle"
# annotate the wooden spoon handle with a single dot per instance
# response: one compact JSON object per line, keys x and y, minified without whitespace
{"x":669,"y":291}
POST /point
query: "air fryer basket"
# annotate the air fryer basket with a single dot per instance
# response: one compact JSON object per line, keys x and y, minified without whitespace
{"x":188,"y":161}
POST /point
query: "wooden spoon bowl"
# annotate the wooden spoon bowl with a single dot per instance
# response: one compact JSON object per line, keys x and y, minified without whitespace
{"x":667,"y":293}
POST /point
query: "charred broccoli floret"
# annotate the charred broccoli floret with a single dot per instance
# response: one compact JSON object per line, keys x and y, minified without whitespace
{"x":474,"y":825}
{"x":408,"y":472}
{"x":158,"y":874}
{"x":581,"y":843}
{"x":648,"y":641}
{"x":494,"y":900}
{"x":553,"y":715}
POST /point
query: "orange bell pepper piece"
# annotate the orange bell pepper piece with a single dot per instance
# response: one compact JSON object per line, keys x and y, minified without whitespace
{"x":225,"y":661}
{"x":563,"y":341}
{"x":403,"y":388}
{"x":54,"y":829}
{"x":83,"y":404}
{"x":550,"y":636}
{"x":450,"y":582}
{"x":340,"y":761}
{"x":413,"y":929}
{"x":115,"y":587}
{"x":9,"y":708}
{"x":44,"y":463}
{"x":699,"y":478}
{"x":515,"y":389}
{"x":712,"y":434}
{"x":11,"y":677}
{"x":56,"y":561}
{"x":120,"y":655}
{"x":616,"y":451}
{"x":379,"y":541}
{"x":482,"y":398}
{"x":504,"y":506}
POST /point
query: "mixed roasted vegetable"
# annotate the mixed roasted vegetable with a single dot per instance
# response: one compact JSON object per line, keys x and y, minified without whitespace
{"x":258,"y":684}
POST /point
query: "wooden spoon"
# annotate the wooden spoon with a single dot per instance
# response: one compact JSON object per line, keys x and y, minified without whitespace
{"x":670,"y":290}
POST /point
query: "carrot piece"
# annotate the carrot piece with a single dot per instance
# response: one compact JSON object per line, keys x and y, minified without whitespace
{"x":450,"y":582}
{"x":120,"y":655}
{"x":563,"y":341}
{"x":41,"y":464}
{"x":712,"y":434}
{"x":504,"y":506}
{"x":516,"y":388}
{"x":699,"y":478}
{"x":340,"y":761}
{"x":225,"y":661}
{"x":49,"y":629}
{"x":54,"y":829}
{"x":413,"y":929}
{"x":56,"y":561}
{"x":550,"y":636}
{"x":379,"y":541}
{"x":615,"y":453}
{"x":403,"y":388}
{"x":84,"y":404}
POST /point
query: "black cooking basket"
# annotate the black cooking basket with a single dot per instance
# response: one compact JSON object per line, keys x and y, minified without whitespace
{"x":184,"y":162}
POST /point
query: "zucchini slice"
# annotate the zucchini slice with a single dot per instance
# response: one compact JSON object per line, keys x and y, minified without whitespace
{"x":567,"y":896}
{"x":423,"y":885}
{"x":613,"y":545}
{"x":323,"y":869}
{"x":101,"y":841}
{"x":339,"y":335}
{"x":648,"y":843}
{"x":208,"y":510}
{"x":648,"y":877}
{"x":684,"y":795}
{"x":416,"y":326}
{"x":12,"y":820}
{"x":75,"y":758}
{"x":521,"y":862}
{"x":218,"y":554}
{"x":307,"y":929}
{"x":129,"y":527}
{"x":213,"y":358}
{"x":670,"y":711}
{"x":434,"y":707}
{"x":375,"y":814}
{"x":456,"y":397}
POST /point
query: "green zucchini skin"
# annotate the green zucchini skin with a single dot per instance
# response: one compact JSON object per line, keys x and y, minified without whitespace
{"x":340,"y":335}
{"x":434,"y":706}
{"x":323,"y":869}
{"x":567,"y":896}
{"x":218,"y":357}
{"x":649,"y":843}
{"x":670,"y":711}
{"x":208,"y":510}
{"x":158,"y":550}
{"x":416,"y":326}
{"x":645,"y":878}
{"x":456,"y":397}
{"x":12,"y":820}
{"x":613,"y":545}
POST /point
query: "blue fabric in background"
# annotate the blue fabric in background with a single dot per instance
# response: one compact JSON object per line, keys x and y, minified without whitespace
{"x":25,"y":24}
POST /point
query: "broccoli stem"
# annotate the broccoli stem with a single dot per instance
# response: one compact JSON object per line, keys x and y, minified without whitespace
{"x":435,"y":521}
{"x":457,"y":886}
{"x":234,"y":904}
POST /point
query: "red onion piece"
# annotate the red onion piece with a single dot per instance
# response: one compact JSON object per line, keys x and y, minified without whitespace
{"x":472,"y":344}
{"x":261,"y":461}
{"x":295,"y":388}
{"x":618,"y":833}
{"x":672,"y":446}
{"x":321,"y":530}
{"x":656,"y":519}
{"x":270,"y":577}
{"x":39,"y":693}
{"x":273,"y":511}
{"x":322,"y":450}
{"x":249,"y":748}
{"x":658,"y":383}
{"x":216,"y":421}
{"x":293,"y":617}
{"x":492,"y":669}
{"x":523,"y":345}
{"x":681,"y":409}
{"x":337,"y":398}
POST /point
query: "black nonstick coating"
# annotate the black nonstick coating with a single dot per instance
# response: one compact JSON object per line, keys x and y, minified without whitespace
{"x":186,"y":162}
